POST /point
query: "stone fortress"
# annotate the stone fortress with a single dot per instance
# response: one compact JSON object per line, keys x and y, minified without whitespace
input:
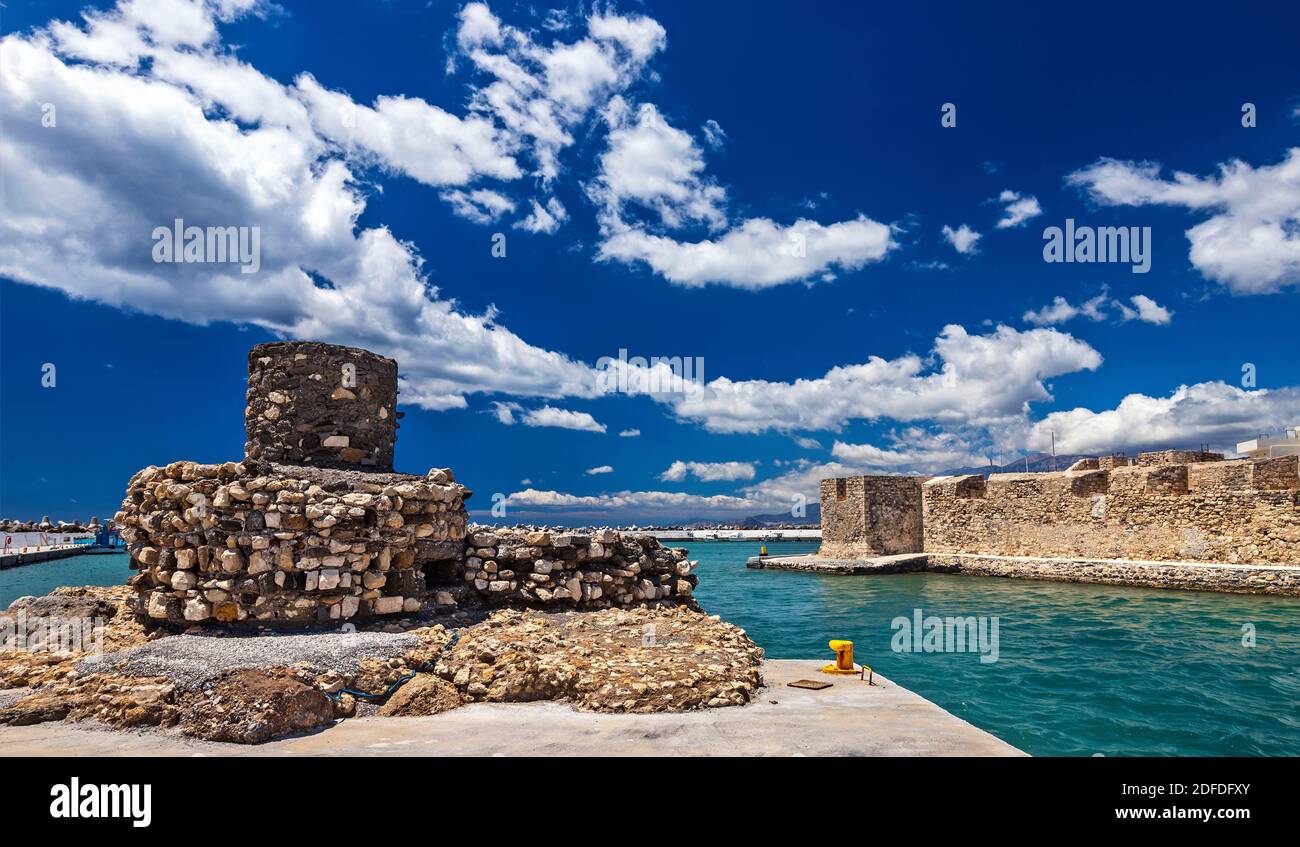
{"x":1109,"y":519}
{"x":315,"y":527}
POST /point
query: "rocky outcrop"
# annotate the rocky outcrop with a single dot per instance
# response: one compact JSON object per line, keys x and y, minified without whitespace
{"x":424,"y":695}
{"x":251,"y":706}
{"x":657,"y":656}
{"x":617,"y":660}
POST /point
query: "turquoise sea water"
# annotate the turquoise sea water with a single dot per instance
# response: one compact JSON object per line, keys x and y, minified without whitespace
{"x":44,"y":577}
{"x":1081,"y":669}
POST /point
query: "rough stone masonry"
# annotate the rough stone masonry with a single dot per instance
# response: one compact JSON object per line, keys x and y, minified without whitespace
{"x":1168,"y":506}
{"x":314,"y":526}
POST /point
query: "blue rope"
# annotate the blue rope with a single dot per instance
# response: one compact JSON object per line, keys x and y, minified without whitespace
{"x":383,"y":696}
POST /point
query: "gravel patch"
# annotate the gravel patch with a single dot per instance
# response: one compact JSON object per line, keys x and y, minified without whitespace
{"x":9,"y":696}
{"x":190,"y":660}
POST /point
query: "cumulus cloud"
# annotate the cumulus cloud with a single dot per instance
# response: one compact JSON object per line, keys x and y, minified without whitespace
{"x":968,"y":380}
{"x":1149,"y":310}
{"x":562,"y":418}
{"x":600,"y":469}
{"x":1018,"y":208}
{"x":652,"y":164}
{"x":504,"y":412}
{"x":708,"y":471}
{"x":652,"y":180}
{"x":157,"y":121}
{"x":544,"y":218}
{"x":629,"y":503}
{"x":931,"y":454}
{"x":629,"y":433}
{"x":757,"y":254}
{"x":538,"y":93}
{"x":410,"y":136}
{"x":1205,"y":413}
{"x":1250,"y":241}
{"x":480,"y":206}
{"x":1057,"y":312}
{"x":962,"y":239}
{"x":1099,"y":308}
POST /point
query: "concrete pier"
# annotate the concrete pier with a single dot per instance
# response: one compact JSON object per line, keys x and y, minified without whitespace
{"x":850,"y":718}
{"x":1194,"y":576}
{"x":13,"y":557}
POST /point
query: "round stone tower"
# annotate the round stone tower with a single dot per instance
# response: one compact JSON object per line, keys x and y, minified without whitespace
{"x":321,"y":404}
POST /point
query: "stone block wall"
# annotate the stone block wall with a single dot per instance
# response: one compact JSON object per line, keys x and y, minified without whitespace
{"x":600,"y":568}
{"x":311,"y":403}
{"x":326,"y":533}
{"x":870,"y":516}
{"x":1244,"y":511}
{"x":1177,"y":457}
{"x":257,"y":543}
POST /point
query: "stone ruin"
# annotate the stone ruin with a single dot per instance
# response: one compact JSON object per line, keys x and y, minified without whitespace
{"x":1168,"y":505}
{"x":315,"y":527}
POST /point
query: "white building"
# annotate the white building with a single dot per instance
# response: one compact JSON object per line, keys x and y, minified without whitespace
{"x":1271,"y":448}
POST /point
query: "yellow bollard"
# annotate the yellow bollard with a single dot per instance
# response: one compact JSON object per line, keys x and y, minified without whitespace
{"x":843,"y":658}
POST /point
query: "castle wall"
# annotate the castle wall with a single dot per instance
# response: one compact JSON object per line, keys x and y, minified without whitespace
{"x":870,"y":516}
{"x":1244,"y":511}
{"x":311,"y":403}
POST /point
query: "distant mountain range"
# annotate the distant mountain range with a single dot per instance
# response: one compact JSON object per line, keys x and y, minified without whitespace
{"x":1036,"y":463}
{"x":812,"y":519}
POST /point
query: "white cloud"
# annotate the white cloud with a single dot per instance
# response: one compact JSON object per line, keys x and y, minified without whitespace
{"x":1019,"y":208}
{"x":629,"y":433}
{"x":411,"y":136}
{"x":708,"y":471}
{"x":962,"y":238}
{"x":562,"y":418}
{"x":650,"y":163}
{"x":808,"y":443}
{"x":545,"y":219}
{"x":1251,"y":240}
{"x":504,"y":412}
{"x":758,"y":254}
{"x":1098,"y":308}
{"x":600,"y":469}
{"x":714,"y":135}
{"x":631,"y":503}
{"x":536,"y":93}
{"x":1205,"y":413}
{"x":942,"y":454}
{"x":1149,"y":310}
{"x":969,"y":380}
{"x":138,"y":144}
{"x":480,"y":206}
{"x":1059,"y":311}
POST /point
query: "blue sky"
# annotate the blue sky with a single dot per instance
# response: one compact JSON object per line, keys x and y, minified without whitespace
{"x":765,"y":189}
